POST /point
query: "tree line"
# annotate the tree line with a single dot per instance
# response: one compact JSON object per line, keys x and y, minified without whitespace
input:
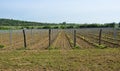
{"x":63,"y":25}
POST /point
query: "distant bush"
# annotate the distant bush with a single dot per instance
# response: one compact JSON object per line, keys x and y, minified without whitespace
{"x":55,"y":27}
{"x":4,"y":28}
{"x":68,"y":27}
{"x":46,"y":27}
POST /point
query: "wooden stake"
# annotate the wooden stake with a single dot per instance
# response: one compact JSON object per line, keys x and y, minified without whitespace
{"x":24,"y":35}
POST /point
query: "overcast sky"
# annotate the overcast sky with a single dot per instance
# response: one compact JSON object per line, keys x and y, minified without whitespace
{"x":56,"y":11}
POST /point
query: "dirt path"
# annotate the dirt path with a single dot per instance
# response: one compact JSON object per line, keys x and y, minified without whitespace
{"x":61,"y":41}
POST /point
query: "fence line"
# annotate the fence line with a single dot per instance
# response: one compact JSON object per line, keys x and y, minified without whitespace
{"x":100,"y":36}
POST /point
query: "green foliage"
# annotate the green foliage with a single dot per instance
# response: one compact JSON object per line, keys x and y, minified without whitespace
{"x":101,"y":46}
{"x":4,"y":28}
{"x":11,"y":22}
{"x":39,"y":27}
{"x":76,"y":47}
{"x":55,"y":27}
{"x":46,"y":27}
{"x":1,"y":46}
{"x":89,"y":25}
{"x":62,"y":27}
{"x":110,"y":24}
{"x":27,"y":24}
{"x":70,"y":26}
{"x":52,"y":48}
{"x":119,"y":24}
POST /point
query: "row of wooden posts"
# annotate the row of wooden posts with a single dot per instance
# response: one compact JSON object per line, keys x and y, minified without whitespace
{"x":25,"y":43}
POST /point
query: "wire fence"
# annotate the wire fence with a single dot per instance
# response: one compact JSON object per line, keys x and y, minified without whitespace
{"x":45,"y":38}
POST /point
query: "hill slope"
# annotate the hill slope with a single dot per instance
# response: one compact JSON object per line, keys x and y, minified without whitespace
{"x":11,"y":22}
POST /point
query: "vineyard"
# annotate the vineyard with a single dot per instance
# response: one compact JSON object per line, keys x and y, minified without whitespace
{"x":87,"y":49}
{"x":60,"y":38}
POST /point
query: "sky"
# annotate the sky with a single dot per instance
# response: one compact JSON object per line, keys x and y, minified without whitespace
{"x":57,"y":11}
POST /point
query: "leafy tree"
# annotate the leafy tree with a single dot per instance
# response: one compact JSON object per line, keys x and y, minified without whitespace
{"x":64,"y":23}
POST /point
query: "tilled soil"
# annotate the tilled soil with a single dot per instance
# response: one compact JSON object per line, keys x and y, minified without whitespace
{"x":61,"y":41}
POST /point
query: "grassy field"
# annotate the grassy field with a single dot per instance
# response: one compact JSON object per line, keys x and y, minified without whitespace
{"x":60,"y":60}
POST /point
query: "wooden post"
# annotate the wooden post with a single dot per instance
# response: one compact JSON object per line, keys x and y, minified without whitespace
{"x":100,"y":35}
{"x":49,"y":37}
{"x":74,"y":38}
{"x":24,"y":35}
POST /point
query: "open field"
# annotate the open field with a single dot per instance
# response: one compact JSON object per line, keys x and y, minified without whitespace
{"x":61,"y":60}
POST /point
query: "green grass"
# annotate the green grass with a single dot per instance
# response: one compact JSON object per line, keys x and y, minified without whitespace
{"x":61,"y":60}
